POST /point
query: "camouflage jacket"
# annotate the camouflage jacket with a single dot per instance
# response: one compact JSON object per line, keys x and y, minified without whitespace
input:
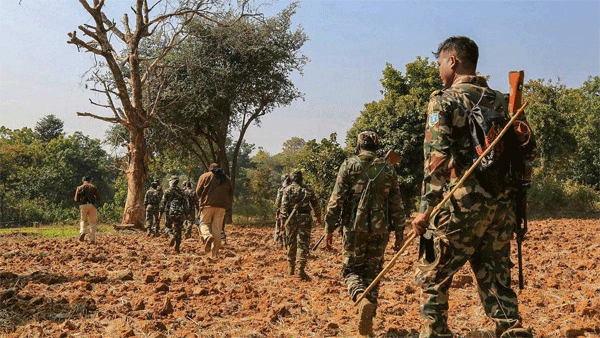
{"x":447,"y":142}
{"x":173,"y":201}
{"x":301,"y":195}
{"x":192,"y":199}
{"x":386,"y":210}
{"x":152,"y":197}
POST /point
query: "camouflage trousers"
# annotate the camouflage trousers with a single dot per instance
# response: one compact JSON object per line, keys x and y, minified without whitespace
{"x":152,"y":221}
{"x":480,"y":236}
{"x":175,"y":226}
{"x":189,"y":222}
{"x":362,"y":261}
{"x":298,"y":237}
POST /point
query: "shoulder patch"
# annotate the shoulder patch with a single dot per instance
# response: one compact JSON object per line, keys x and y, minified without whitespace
{"x":433,"y":119}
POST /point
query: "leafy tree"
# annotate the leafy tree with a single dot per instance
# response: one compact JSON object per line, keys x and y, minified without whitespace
{"x":226,"y":78}
{"x":41,"y":177}
{"x":399,"y":119}
{"x":549,"y":111}
{"x":321,"y":162}
{"x":130,"y":79}
{"x":293,"y":145}
{"x":49,"y":127}
{"x":585,"y":166}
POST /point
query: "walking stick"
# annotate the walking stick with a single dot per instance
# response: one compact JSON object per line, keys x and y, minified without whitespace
{"x":439,"y":206}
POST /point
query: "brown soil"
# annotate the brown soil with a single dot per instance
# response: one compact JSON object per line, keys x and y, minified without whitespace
{"x":129,"y":285}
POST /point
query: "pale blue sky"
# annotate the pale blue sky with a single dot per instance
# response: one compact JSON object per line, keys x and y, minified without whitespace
{"x":350,"y":42}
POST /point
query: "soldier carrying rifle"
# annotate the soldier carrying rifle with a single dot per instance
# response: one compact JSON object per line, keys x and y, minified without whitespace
{"x":279,"y":234}
{"x":478,"y":221}
{"x":367,"y":189}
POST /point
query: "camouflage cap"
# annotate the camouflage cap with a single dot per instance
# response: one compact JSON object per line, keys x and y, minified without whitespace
{"x":367,"y":139}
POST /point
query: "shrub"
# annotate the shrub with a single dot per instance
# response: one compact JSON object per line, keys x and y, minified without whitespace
{"x":550,"y":196}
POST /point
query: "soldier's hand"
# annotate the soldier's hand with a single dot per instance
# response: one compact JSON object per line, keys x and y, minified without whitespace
{"x":420,"y":224}
{"x":329,"y":241}
{"x":398,"y":242}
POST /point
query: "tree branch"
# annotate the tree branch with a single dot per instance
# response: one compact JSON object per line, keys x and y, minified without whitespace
{"x":103,"y":118}
{"x":82,"y":44}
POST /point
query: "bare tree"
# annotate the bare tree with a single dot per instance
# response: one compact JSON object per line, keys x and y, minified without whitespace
{"x":131,"y":78}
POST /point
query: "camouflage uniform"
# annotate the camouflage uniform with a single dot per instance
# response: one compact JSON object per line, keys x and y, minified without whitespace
{"x":152,"y":204}
{"x":474,"y":225}
{"x":299,"y":226}
{"x":285,"y":181}
{"x":191,"y":212}
{"x":365,"y":240}
{"x":175,"y":203}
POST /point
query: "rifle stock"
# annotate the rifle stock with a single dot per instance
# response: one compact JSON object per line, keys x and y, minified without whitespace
{"x":515,"y":80}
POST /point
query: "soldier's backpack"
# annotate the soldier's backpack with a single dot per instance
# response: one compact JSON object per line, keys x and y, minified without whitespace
{"x":494,"y":171}
{"x":364,"y":205}
{"x":177,"y":206}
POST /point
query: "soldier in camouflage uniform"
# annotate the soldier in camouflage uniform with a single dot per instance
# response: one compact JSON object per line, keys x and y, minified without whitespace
{"x":476,"y":225}
{"x":191,"y":212}
{"x":366,"y":231}
{"x":152,"y":205}
{"x":174,"y":204}
{"x":285,"y":181}
{"x":296,"y":201}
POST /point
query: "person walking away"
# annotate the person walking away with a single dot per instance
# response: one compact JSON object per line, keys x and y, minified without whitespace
{"x":87,"y":196}
{"x":477,"y":223}
{"x":296,"y":202}
{"x":215,"y":194}
{"x":191,"y":212}
{"x":367,"y":186}
{"x":279,"y":230}
{"x":174,"y":204}
{"x":152,"y":204}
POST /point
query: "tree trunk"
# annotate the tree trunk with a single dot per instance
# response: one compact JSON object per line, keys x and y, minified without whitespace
{"x":136,"y":178}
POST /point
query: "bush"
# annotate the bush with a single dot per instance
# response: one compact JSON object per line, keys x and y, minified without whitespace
{"x":550,"y":196}
{"x":110,"y":213}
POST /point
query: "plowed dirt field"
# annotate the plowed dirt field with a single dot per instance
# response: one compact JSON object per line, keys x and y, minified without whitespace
{"x":130,"y":285}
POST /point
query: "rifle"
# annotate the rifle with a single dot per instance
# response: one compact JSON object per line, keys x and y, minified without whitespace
{"x":446,"y":198}
{"x":515,"y":78}
{"x":318,"y":242}
{"x":280,"y":241}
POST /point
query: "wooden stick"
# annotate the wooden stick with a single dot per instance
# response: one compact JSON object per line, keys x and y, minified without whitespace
{"x":441,"y":204}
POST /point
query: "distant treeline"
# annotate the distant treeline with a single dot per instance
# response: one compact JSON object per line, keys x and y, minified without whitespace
{"x":40,"y":168}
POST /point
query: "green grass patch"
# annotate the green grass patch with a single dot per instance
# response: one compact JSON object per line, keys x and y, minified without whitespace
{"x":54,"y":231}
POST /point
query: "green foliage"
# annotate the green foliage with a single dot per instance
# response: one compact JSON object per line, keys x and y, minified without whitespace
{"x":223,"y":79}
{"x":259,"y":183}
{"x":399,"y":120}
{"x":38,"y":178}
{"x":320,"y":163}
{"x":549,"y":196}
{"x":566,"y":122}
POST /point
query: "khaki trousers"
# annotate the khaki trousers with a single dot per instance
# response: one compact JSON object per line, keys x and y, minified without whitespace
{"x":211,"y":221}
{"x":89,"y":214}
